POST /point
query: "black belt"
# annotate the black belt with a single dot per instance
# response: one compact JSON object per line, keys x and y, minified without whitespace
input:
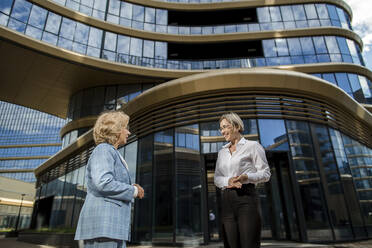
{"x":249,"y":187}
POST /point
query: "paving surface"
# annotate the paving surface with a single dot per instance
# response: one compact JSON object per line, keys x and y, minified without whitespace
{"x":13,"y":243}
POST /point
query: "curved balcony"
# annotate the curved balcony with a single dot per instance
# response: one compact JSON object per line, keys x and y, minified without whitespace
{"x":248,"y":19}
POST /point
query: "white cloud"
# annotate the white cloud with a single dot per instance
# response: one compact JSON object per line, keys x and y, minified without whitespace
{"x":362,"y":20}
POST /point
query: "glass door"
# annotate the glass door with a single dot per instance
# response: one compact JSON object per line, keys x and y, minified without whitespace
{"x":279,"y":218}
{"x":213,"y":199}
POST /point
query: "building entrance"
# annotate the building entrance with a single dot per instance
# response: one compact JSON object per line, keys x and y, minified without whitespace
{"x":279,"y":217}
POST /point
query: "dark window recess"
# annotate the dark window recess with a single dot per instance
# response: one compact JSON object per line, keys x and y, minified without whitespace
{"x":205,"y":18}
{"x":224,"y":50}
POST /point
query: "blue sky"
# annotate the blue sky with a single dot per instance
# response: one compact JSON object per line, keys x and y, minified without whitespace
{"x":362,"y":24}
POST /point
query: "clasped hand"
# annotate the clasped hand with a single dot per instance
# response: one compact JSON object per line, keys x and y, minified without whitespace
{"x":141,"y":192}
{"x":237,"y":182}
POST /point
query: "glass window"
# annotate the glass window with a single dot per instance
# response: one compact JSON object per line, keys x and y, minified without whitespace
{"x":33,"y":32}
{"x":161,"y":17}
{"x":307,"y":46}
{"x":310,"y":11}
{"x":322,"y":11}
{"x":3,"y":19}
{"x":320,"y":45}
{"x":343,"y":82}
{"x":330,"y":77}
{"x":332,"y":12}
{"x":110,"y":41}
{"x":5,"y":6}
{"x":162,"y":186}
{"x":123,"y":44}
{"x":364,"y":84}
{"x":273,"y":138}
{"x":282,"y":48}
{"x":150,"y":15}
{"x":294,"y":46}
{"x":37,"y":17}
{"x":287,"y":13}
{"x":160,"y":50}
{"x":95,"y":37}
{"x":356,"y":88}
{"x":148,"y":48}
{"x":263,"y":14}
{"x":343,"y":45}
{"x":188,"y":184}
{"x":67,"y":28}
{"x":53,"y":23}
{"x":299,"y":12}
{"x":308,"y":181}
{"x":114,"y":7}
{"x":138,"y":13}
{"x":142,"y":223}
{"x":126,"y":10}
{"x":275,"y":14}
{"x":136,"y":47}
{"x":332,"y":44}
{"x":81,"y":33}
{"x":269,"y":48}
{"x":21,"y":10}
{"x":331,"y":180}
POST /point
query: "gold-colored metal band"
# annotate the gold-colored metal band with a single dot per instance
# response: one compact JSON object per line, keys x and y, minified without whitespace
{"x":255,"y":93}
{"x":79,"y":123}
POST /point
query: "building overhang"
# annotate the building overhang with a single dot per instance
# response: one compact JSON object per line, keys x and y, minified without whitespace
{"x":43,"y":77}
{"x":164,"y":106}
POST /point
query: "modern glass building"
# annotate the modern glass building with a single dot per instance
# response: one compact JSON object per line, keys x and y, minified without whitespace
{"x":293,"y":70}
{"x":27,"y":139}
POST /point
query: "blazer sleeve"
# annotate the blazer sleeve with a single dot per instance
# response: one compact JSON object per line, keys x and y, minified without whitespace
{"x":102,"y":172}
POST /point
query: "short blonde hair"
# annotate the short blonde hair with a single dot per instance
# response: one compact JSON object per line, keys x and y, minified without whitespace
{"x":109,"y":126}
{"x":234,"y":120}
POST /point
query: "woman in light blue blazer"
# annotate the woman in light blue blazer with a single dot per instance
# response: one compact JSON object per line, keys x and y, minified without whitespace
{"x":104,"y":220}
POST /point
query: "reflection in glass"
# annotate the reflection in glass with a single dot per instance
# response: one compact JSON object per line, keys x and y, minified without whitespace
{"x":163,"y":187}
{"x":332,"y":185}
{"x":143,"y":208}
{"x":348,"y":184}
{"x":360,"y":157}
{"x":307,"y":175}
{"x":273,"y":135}
{"x":188,"y":185}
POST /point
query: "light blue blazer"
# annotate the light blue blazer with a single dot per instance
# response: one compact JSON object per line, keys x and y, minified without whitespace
{"x":107,"y":208}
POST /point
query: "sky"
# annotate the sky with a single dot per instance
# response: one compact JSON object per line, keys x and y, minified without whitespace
{"x":362,"y":24}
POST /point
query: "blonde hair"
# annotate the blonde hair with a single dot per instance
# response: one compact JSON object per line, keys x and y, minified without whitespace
{"x":234,"y":120}
{"x":109,"y":126}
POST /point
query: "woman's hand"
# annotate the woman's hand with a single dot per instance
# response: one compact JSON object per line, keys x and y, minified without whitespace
{"x":242,"y":178}
{"x":237,"y":182}
{"x":141,"y":192}
{"x":234,"y":183}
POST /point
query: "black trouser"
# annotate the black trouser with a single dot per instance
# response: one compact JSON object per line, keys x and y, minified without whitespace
{"x":241,"y":218}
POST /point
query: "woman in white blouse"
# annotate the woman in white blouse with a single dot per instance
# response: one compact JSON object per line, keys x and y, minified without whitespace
{"x":241,"y":164}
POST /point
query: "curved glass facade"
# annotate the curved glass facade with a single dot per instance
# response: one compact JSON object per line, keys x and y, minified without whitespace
{"x":268,"y":18}
{"x":357,"y":86}
{"x":105,"y":98}
{"x":27,"y":139}
{"x":41,"y":24}
{"x":319,"y":190}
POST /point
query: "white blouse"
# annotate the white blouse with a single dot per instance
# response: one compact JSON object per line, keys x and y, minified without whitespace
{"x":135,"y":193}
{"x":249,"y":158}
